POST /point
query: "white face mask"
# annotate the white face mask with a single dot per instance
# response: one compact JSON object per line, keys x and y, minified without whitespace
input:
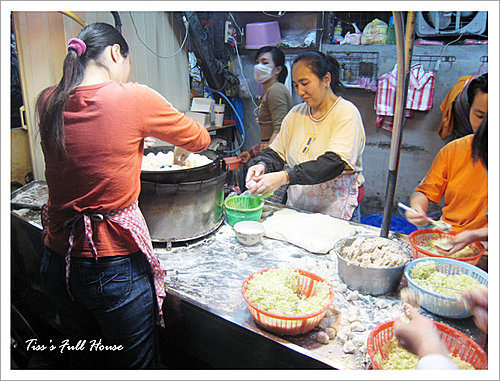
{"x":262,"y":73}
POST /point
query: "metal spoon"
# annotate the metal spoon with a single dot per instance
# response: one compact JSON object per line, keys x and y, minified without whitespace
{"x":440,"y":225}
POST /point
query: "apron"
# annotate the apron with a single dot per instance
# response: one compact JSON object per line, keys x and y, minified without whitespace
{"x":337,"y":197}
{"x":130,"y":219}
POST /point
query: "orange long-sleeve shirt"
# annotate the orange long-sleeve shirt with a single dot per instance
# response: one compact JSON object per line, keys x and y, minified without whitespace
{"x":105,"y":125}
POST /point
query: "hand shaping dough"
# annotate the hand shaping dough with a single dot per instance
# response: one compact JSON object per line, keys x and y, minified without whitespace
{"x":315,"y":232}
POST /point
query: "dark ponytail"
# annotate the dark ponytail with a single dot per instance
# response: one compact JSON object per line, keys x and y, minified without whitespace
{"x":278,"y":59}
{"x":320,"y":64}
{"x":480,"y":143}
{"x":51,"y":104}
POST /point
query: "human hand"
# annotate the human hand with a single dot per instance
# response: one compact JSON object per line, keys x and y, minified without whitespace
{"x":268,"y":182}
{"x":420,"y":335}
{"x":253,"y":171}
{"x":180,"y":155}
{"x":420,"y":218}
{"x":478,"y":302}
{"x":245,"y":157}
{"x":458,"y":242}
{"x":149,"y":142}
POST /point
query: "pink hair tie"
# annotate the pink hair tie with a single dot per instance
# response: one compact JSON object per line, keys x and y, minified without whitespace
{"x":77,"y":45}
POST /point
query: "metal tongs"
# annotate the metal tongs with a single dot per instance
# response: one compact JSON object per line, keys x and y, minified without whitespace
{"x":440,"y":225}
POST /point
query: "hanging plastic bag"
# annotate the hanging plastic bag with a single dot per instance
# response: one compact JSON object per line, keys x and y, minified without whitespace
{"x":352,"y":38}
{"x":374,"y":33}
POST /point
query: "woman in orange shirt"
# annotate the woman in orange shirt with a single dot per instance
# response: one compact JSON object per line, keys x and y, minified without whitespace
{"x":99,"y":269}
{"x":459,"y":173}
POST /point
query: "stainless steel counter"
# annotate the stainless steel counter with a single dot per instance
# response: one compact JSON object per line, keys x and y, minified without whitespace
{"x":208,"y":316}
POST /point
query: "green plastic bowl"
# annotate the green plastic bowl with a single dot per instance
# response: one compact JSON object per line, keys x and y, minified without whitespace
{"x":243,"y":208}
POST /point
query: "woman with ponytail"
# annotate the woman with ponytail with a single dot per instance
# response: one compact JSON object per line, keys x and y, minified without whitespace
{"x":321,"y":141}
{"x":99,"y":269}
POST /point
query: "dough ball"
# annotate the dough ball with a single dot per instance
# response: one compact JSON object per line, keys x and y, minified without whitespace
{"x":331,"y":332}
{"x":322,"y":337}
{"x":349,"y":347}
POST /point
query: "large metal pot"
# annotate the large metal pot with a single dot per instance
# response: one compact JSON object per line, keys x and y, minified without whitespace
{"x":205,"y":172}
{"x":183,"y":205}
{"x":373,"y":281}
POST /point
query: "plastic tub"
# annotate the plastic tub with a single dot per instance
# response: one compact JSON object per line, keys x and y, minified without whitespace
{"x":259,"y":34}
{"x":398,"y":224}
{"x":459,"y":345}
{"x":421,"y":237}
{"x":243,"y":208}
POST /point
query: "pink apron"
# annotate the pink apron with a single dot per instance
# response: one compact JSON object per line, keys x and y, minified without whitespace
{"x":130,"y":219}
{"x":337,"y":197}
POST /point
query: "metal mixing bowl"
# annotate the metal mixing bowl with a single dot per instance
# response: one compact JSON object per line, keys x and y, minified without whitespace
{"x":373,"y":281}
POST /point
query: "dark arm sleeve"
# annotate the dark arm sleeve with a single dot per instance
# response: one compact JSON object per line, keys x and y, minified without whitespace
{"x":271,"y":160}
{"x":324,"y":168}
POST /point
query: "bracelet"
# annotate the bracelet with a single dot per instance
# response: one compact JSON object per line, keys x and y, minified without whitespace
{"x":287,"y":177}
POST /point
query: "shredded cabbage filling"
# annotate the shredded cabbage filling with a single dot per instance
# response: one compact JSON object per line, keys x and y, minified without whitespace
{"x":426,"y":275}
{"x":277,"y":291}
{"x":399,"y":358}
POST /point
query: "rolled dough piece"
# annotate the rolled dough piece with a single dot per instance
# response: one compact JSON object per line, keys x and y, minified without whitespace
{"x":315,"y":232}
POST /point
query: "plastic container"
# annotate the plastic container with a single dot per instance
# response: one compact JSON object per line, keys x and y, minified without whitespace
{"x":459,"y":345}
{"x":203,"y":105}
{"x":444,"y":305}
{"x":337,"y":33}
{"x":398,"y":224}
{"x":391,"y":32}
{"x":421,"y":237}
{"x":290,"y":325}
{"x":259,"y":34}
{"x":243,"y":208}
{"x":233,"y":162}
{"x":219,"y":114}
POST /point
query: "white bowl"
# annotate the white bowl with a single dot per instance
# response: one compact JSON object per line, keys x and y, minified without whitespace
{"x":249,"y":232}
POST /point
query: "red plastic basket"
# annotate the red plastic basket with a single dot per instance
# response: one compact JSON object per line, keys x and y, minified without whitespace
{"x":421,"y":237}
{"x":289,"y":325}
{"x":458,"y":344}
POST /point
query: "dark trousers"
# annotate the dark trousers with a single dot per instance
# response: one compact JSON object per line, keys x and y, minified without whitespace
{"x":110,"y":323}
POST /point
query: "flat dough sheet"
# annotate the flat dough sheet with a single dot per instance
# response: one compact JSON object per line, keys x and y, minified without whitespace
{"x":315,"y":232}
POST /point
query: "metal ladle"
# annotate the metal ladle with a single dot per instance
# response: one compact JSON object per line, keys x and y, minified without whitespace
{"x":440,"y":225}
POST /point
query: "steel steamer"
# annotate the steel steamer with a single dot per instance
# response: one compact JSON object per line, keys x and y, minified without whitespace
{"x":183,"y":205}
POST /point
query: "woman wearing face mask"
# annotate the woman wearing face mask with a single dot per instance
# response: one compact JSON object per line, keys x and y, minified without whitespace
{"x":321,"y":141}
{"x":98,"y":268}
{"x":276,"y":100}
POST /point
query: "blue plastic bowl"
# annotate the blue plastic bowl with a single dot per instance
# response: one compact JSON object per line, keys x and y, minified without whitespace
{"x":398,"y":224}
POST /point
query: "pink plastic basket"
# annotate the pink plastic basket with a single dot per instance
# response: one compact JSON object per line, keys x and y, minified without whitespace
{"x":458,"y":344}
{"x":289,"y":325}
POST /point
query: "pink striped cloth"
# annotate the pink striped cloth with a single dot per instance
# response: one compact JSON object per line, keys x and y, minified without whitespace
{"x":420,"y":94}
{"x":420,"y":91}
{"x":132,"y":220}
